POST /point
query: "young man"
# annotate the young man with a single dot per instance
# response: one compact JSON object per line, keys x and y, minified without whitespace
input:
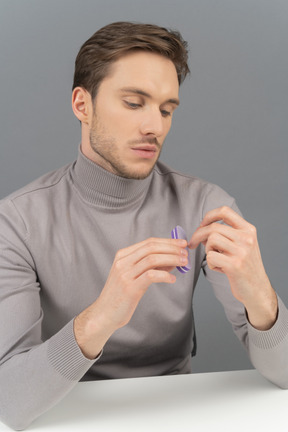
{"x":89,"y":286}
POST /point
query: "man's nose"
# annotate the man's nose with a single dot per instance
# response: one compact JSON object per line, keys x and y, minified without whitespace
{"x":152,"y":123}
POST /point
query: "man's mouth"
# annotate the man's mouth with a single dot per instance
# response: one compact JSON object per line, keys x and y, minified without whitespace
{"x":146,"y":151}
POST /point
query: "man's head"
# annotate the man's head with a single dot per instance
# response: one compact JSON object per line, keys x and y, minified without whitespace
{"x":125,"y":89}
{"x":115,"y":40}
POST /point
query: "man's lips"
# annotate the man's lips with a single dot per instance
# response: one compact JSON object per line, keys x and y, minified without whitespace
{"x":145,"y":147}
{"x":145,"y":151}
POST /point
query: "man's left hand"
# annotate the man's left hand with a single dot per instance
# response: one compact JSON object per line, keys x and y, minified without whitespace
{"x":232,"y":248}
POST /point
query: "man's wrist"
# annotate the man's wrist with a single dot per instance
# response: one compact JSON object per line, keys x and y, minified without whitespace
{"x":263,"y":315}
{"x":90,"y":335}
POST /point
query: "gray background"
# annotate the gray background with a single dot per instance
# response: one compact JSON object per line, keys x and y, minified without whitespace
{"x":231,"y":128}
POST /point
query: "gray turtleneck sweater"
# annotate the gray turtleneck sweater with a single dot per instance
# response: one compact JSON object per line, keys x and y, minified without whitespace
{"x":58,"y":239}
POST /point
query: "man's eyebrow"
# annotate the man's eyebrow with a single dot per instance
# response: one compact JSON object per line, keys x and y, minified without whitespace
{"x":174,"y":101}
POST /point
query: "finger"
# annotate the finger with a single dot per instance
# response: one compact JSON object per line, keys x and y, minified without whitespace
{"x":157,"y":261}
{"x":154,"y":276}
{"x":165,"y":268}
{"x":217,"y":242}
{"x":225,"y":214}
{"x":217,"y":261}
{"x":151,"y":243}
{"x":202,"y":234}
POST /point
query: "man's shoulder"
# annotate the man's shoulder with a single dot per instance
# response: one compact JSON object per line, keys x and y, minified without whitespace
{"x":45,"y":182}
{"x":164,"y":171}
{"x":194,"y":187}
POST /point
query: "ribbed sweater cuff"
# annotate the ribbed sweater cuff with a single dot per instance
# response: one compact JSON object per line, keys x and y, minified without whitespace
{"x":65,"y":355}
{"x":273,"y":337}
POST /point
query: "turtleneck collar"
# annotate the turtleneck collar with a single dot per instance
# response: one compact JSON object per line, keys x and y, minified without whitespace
{"x":100,"y":187}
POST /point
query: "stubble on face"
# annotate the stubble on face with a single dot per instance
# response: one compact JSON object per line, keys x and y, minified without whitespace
{"x":107,"y":155}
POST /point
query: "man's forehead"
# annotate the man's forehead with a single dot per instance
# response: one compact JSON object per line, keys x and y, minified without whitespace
{"x":146,"y":73}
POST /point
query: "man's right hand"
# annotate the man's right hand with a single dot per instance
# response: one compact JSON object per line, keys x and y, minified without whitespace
{"x":134,"y":269}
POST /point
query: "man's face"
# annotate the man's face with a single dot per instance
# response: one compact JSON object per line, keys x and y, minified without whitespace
{"x":132,"y":114}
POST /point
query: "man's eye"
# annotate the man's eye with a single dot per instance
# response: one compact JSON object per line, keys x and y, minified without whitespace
{"x":165,"y":113}
{"x":132,"y":105}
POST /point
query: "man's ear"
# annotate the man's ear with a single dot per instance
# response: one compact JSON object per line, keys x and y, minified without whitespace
{"x":82,"y":105}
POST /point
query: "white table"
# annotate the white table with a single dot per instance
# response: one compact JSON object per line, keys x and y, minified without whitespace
{"x":225,"y":401}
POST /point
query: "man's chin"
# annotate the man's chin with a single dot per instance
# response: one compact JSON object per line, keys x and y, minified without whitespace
{"x":136,"y":173}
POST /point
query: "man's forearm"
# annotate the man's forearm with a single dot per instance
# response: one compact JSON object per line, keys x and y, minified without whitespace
{"x":36,"y":380}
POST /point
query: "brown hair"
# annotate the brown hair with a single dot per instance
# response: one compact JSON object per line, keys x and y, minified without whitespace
{"x":108,"y":44}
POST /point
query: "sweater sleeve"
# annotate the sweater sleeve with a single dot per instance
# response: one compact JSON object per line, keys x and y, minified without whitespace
{"x":268,"y":350}
{"x":34,"y":375}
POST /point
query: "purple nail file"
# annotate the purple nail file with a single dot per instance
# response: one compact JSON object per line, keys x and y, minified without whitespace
{"x":179,"y":233}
